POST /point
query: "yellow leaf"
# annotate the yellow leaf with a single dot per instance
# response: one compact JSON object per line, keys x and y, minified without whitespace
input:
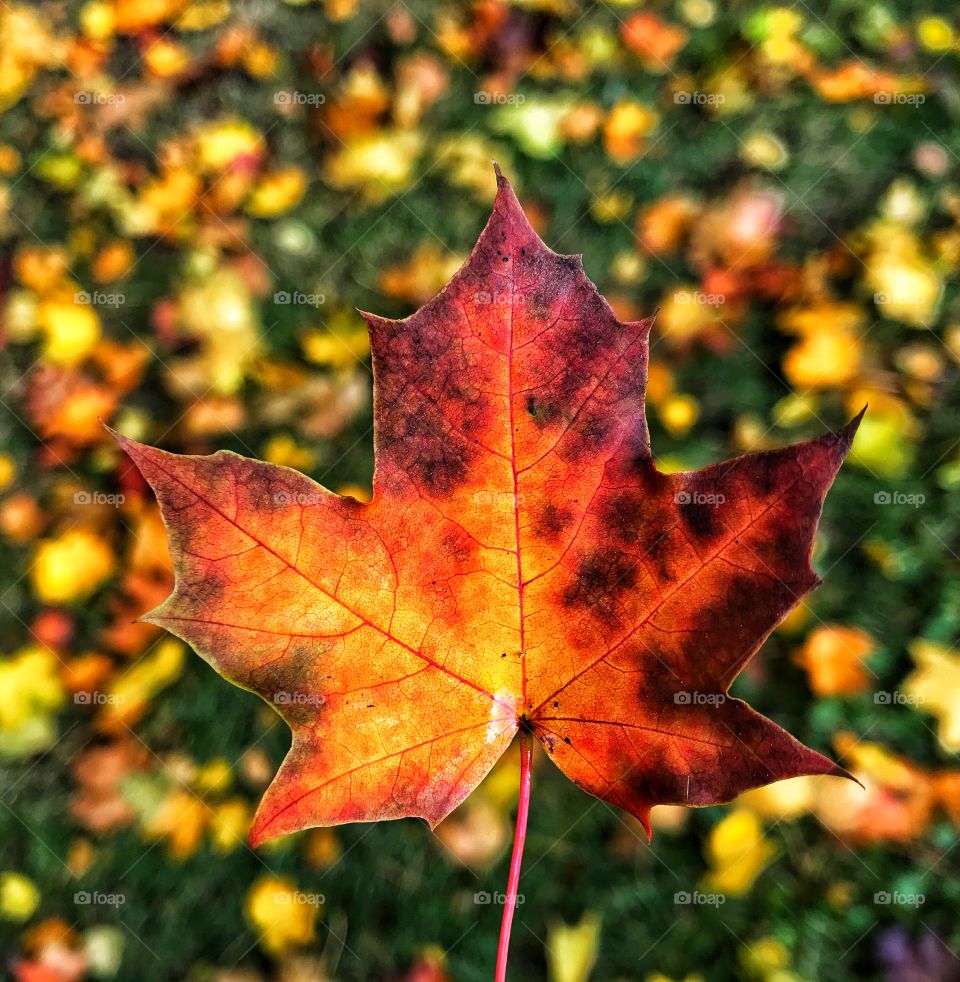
{"x":282,"y":916}
{"x":230,"y":824}
{"x":378,"y":164}
{"x":71,"y":566}
{"x":737,"y":852}
{"x":19,"y":897}
{"x":277,"y":192}
{"x":71,"y":330}
{"x":572,"y":949}
{"x":935,"y":687}
{"x":130,"y":694}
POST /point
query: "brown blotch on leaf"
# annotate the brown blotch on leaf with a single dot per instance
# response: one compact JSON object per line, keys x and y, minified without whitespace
{"x":551,"y":521}
{"x":601,"y":577}
{"x":699,"y":518}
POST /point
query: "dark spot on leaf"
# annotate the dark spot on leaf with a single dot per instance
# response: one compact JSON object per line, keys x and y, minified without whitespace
{"x":602,"y":576}
{"x":657,"y":549}
{"x":763,"y":474}
{"x":551,"y":521}
{"x":541,"y":411}
{"x":593,"y":427}
{"x":699,"y":519}
{"x":621,"y":514}
{"x":290,"y":685}
{"x":458,"y":546}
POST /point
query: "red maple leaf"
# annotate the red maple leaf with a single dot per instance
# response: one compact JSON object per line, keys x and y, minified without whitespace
{"x":523,"y":566}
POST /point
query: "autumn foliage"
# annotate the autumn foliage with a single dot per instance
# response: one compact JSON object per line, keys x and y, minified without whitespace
{"x":195,"y":198}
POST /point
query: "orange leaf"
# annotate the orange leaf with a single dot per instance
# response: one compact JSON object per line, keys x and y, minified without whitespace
{"x":522,"y":565}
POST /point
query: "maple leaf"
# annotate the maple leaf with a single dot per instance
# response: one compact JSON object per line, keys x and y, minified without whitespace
{"x":522,"y":566}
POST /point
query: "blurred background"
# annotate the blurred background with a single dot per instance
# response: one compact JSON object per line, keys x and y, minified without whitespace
{"x":194,"y":197}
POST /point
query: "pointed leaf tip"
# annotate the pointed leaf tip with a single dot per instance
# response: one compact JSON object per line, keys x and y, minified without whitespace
{"x":374,"y":319}
{"x":505,"y":190}
{"x":843,"y":772}
{"x":644,"y":818}
{"x":848,"y":431}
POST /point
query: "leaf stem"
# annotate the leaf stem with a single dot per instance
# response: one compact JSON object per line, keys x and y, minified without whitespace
{"x":520,"y":835}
